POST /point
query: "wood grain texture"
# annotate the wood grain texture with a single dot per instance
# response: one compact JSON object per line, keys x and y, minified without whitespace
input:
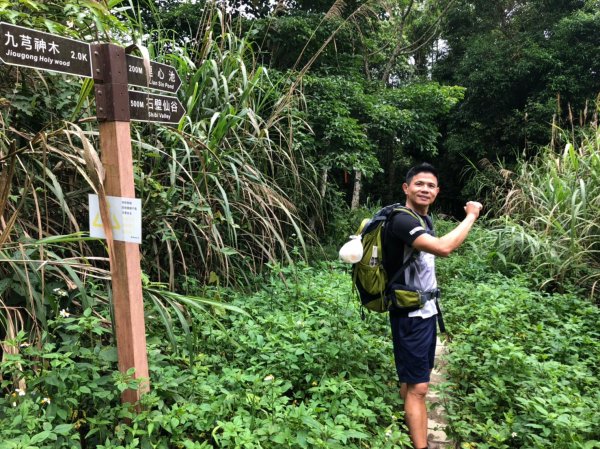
{"x":115,"y":146}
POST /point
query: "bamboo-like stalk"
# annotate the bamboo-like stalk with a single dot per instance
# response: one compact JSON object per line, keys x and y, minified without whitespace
{"x":551,"y":208}
{"x":221,"y":194}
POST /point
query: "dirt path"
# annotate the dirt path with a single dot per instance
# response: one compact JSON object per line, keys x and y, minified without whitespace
{"x":437,"y":437}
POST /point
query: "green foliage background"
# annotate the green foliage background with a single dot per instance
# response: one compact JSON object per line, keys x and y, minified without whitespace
{"x":285,"y":108}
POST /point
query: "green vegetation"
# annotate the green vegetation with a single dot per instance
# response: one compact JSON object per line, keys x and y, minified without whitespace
{"x":523,"y":365}
{"x":301,"y":120}
{"x":222,"y":195}
{"x":548,"y":213}
{"x":521,"y":62}
{"x":302,"y":370}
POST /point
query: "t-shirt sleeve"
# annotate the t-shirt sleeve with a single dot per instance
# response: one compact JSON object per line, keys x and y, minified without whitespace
{"x":406,"y":228}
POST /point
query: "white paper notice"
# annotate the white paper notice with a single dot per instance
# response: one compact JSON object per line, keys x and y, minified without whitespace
{"x":125,"y":218}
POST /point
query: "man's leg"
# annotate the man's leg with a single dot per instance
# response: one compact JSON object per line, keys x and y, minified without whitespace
{"x":414,"y":352}
{"x":415,"y":412}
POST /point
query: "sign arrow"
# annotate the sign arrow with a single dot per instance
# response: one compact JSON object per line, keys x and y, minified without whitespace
{"x":162,"y":76}
{"x":30,"y":48}
{"x":146,"y":107}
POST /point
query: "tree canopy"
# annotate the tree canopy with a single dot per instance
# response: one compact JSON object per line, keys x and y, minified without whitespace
{"x":521,"y":62}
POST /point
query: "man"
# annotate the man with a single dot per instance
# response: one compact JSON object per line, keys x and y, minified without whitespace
{"x":414,"y":333}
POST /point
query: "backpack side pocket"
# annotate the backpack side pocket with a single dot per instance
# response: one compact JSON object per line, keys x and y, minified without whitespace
{"x":372,"y":279}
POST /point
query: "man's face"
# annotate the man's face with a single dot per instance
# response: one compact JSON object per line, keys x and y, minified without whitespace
{"x":422,"y":190}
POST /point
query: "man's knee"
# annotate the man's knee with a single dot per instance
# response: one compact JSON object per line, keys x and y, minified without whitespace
{"x":419,"y":389}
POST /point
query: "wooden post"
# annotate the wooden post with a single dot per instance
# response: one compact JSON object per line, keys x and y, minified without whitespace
{"x":112,"y":104}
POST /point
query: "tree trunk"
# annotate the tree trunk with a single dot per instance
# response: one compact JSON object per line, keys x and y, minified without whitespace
{"x":323,"y":187}
{"x":356,"y":192}
{"x":312,"y":223}
{"x":392,"y":183}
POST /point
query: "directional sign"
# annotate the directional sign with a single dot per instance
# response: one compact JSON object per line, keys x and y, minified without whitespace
{"x":146,"y":107}
{"x":162,"y":77}
{"x":30,"y":48}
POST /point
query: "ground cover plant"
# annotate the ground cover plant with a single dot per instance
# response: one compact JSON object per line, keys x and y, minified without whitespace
{"x":299,"y":369}
{"x":523,"y":365}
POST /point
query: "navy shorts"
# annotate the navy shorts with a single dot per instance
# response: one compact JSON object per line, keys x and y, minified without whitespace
{"x":414,"y":347}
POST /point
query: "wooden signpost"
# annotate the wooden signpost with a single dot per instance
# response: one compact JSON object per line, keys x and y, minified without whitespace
{"x":110,"y":79}
{"x":113,"y":71}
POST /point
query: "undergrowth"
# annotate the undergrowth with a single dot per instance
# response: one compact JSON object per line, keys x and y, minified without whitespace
{"x":523,"y":365}
{"x":300,"y":369}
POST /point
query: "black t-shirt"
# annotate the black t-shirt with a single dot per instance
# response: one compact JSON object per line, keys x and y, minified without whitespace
{"x":400,"y":233}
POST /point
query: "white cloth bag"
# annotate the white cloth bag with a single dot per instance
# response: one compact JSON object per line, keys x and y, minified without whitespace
{"x":352,"y":251}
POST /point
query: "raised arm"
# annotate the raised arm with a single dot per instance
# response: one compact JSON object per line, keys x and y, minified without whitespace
{"x":443,"y":246}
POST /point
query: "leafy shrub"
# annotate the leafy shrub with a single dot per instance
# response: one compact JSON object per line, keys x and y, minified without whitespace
{"x":303,"y":371}
{"x":523,"y":365}
{"x":69,"y":386}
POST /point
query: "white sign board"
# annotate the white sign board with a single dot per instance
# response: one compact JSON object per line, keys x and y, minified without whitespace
{"x":125,"y":218}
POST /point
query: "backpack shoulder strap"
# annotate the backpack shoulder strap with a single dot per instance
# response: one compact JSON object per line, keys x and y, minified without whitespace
{"x":398,"y":208}
{"x":406,"y":210}
{"x":401,"y":270}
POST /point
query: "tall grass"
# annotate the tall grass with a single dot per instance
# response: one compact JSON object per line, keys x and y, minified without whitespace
{"x":223,"y":194}
{"x":46,"y":262}
{"x":226,"y":192}
{"x":549,"y":211}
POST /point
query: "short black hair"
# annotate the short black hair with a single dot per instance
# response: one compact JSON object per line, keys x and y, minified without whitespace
{"x":421,"y":168}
